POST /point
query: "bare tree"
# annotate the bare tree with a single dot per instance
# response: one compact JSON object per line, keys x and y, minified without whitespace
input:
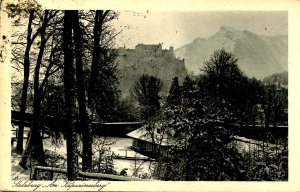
{"x":25,"y":83}
{"x":35,"y":142}
{"x":83,"y":116}
{"x":35,"y":136}
{"x":19,"y":11}
{"x":97,"y":32}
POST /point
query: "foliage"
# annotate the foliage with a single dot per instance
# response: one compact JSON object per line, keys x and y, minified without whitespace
{"x":126,"y":111}
{"x":146,"y":90}
{"x":203,"y":146}
{"x":203,"y":151}
{"x":123,"y":172}
{"x":21,"y":8}
{"x":106,"y":89}
{"x":275,"y":104}
{"x":48,"y":53}
{"x":189,"y":92}
{"x":201,"y":142}
{"x":253,"y":97}
{"x":223,"y":81}
{"x":277,"y":78}
{"x":100,"y":66}
{"x":102,"y":156}
{"x":174,"y":97}
{"x":265,"y":163}
{"x":16,"y":93}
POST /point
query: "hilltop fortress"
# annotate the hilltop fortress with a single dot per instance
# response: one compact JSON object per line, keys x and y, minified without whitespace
{"x":148,"y":51}
{"x":151,"y":60}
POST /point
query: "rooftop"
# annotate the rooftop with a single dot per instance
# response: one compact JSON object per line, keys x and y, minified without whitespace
{"x":157,"y":137}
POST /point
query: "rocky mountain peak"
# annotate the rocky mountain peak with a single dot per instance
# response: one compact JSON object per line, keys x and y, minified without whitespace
{"x":258,"y":55}
{"x":227,"y":28}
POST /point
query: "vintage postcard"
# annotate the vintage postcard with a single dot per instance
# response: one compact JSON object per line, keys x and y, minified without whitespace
{"x":149,"y":95}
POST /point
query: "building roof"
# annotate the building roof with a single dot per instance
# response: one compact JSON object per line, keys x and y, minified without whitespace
{"x":154,"y":136}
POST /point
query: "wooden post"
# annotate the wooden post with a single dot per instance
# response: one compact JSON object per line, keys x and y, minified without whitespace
{"x":51,"y":175}
{"x":35,"y":172}
{"x":43,"y":133}
{"x":17,"y":133}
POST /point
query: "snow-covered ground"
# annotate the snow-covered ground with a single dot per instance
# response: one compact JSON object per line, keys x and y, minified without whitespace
{"x":243,"y":143}
{"x":17,"y":172}
{"x":118,"y":148}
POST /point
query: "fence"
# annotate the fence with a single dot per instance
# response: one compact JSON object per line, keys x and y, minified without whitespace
{"x":88,"y":175}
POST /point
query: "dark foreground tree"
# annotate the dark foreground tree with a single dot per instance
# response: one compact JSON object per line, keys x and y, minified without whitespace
{"x":188,"y":91}
{"x":102,"y":77}
{"x":201,"y":143}
{"x":48,"y":83}
{"x":25,"y":84}
{"x":69,"y":85}
{"x":99,"y":19}
{"x":27,"y":9}
{"x":35,"y":141}
{"x":223,"y":83}
{"x":202,"y":146}
{"x":95,"y":73}
{"x":87,"y":135}
{"x":146,"y":90}
{"x":174,"y":97}
{"x":274,"y":104}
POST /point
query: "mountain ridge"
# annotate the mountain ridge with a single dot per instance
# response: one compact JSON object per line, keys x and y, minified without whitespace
{"x":258,"y":55}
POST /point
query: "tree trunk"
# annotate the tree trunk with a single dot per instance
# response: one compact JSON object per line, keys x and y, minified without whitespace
{"x":275,"y":115}
{"x":69,"y":86}
{"x":35,"y":143}
{"x":86,"y":130}
{"x":268,"y":111}
{"x":97,"y":32}
{"x":25,"y":84}
{"x":253,"y":116}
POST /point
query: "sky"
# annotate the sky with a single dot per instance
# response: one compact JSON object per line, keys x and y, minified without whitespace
{"x":179,"y":28}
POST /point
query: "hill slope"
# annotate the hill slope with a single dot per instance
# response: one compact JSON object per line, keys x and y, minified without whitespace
{"x":151,"y":60}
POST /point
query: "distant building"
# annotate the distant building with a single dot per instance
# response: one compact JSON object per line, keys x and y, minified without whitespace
{"x":151,"y":60}
{"x":142,"y":50}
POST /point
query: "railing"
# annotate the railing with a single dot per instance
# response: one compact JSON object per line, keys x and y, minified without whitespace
{"x":88,"y":175}
{"x":259,"y":132}
{"x":112,"y":129}
{"x":44,"y":134}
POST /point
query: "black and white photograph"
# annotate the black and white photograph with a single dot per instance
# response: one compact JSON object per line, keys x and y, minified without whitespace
{"x":147,"y":95}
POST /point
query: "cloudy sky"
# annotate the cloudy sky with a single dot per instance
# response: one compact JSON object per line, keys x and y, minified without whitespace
{"x":179,"y":28}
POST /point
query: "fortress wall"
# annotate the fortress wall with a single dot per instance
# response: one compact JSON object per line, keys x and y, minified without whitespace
{"x":151,"y":60}
{"x":142,"y":51}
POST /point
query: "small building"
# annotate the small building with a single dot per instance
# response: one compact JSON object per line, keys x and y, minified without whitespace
{"x":152,"y":142}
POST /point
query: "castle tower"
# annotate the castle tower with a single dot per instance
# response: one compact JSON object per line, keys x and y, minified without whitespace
{"x":171,"y":51}
{"x":160,"y":46}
